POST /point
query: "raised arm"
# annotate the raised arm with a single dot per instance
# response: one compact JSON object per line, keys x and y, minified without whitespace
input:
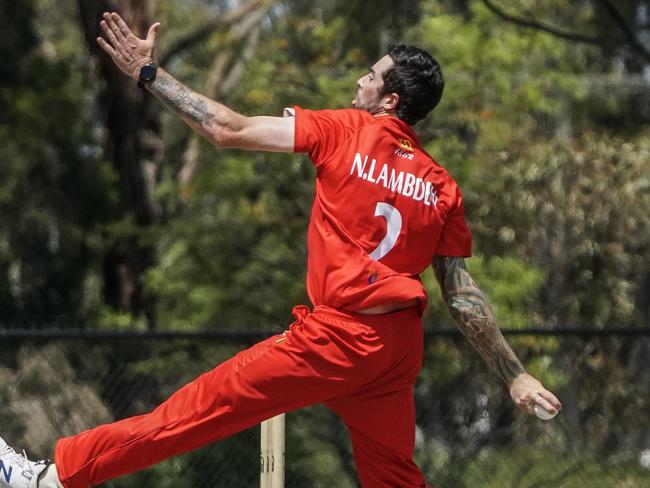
{"x":219,"y":124}
{"x":474,"y":318}
{"x":214,"y":121}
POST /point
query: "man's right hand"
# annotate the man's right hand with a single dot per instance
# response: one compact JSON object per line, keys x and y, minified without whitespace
{"x":129,"y":52}
{"x":526,"y":391}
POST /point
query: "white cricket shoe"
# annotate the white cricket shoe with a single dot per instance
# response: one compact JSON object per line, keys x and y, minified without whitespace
{"x":16,"y":471}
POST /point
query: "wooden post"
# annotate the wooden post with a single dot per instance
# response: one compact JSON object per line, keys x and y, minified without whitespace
{"x":272,"y":453}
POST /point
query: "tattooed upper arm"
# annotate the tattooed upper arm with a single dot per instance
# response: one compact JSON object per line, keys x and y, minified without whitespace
{"x":473,"y":316}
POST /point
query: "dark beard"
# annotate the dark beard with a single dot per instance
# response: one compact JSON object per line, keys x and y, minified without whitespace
{"x":370,"y":107}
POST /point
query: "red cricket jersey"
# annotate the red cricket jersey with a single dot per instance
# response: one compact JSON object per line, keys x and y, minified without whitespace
{"x":382,"y":209}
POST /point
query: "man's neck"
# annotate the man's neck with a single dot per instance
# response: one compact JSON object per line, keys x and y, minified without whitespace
{"x":382,"y":112}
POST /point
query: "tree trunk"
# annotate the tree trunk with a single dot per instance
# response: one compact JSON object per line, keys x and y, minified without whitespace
{"x":132,"y":143}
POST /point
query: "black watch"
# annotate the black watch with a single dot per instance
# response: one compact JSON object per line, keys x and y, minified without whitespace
{"x":147,"y":74}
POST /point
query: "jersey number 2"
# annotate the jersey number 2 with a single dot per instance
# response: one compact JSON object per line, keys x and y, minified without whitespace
{"x":393,"y":228}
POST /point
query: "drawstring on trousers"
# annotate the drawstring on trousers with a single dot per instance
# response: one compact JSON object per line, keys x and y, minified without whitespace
{"x":299,"y":313}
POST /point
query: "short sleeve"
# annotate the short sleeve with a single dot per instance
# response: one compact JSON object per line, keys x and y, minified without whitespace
{"x":320,"y":133}
{"x":456,"y":238}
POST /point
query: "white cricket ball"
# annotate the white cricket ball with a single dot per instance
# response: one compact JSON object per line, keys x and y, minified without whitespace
{"x":541,"y":413}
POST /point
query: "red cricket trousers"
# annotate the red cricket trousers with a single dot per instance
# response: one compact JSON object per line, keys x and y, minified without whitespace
{"x":363,"y":367}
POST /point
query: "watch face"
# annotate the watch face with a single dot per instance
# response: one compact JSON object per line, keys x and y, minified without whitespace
{"x":148,"y":72}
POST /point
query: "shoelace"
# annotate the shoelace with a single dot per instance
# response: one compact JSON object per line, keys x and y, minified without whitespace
{"x":20,"y":459}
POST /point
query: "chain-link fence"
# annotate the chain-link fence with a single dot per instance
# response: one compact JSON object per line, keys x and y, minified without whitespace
{"x":468,"y":432}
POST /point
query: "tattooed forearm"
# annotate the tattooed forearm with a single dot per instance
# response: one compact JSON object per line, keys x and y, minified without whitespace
{"x":474,"y":318}
{"x":182,"y":100}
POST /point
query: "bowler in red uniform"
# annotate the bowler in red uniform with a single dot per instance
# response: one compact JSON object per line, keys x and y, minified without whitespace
{"x":383,"y":211}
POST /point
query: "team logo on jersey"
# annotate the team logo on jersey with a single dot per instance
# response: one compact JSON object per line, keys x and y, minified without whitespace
{"x":372,"y":276}
{"x":404,"y":154}
{"x":406,"y":144}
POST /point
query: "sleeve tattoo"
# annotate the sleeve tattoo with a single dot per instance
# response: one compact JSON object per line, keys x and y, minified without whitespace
{"x":183,"y":100}
{"x":473,"y":317}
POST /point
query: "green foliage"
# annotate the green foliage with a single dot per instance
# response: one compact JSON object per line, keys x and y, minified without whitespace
{"x":319,"y":449}
{"x":509,"y":285}
{"x":243,"y":237}
{"x":499,"y":86}
{"x":577,"y":209}
{"x":542,"y":465}
{"x":54,"y":189}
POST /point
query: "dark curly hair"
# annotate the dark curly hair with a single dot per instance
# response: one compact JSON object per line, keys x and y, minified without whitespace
{"x":417,"y":78}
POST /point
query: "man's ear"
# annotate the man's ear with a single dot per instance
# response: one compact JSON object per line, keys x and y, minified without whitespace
{"x":390,"y":102}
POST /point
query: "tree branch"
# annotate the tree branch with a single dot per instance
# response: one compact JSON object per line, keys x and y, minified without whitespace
{"x":203,"y":32}
{"x":222,"y":79}
{"x":531,"y":24}
{"x":629,"y":34}
{"x":216,"y":84}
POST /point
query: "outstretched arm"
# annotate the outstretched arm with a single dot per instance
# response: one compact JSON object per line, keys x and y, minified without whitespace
{"x":214,"y":121}
{"x":474,"y":318}
{"x":219,"y":124}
